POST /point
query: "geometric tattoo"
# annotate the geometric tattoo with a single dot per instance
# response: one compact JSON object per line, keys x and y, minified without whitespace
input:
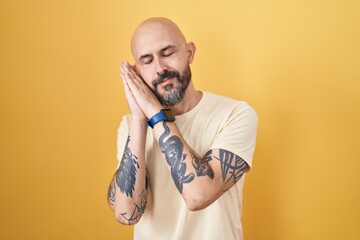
{"x":172,"y":148}
{"x":232,"y":166}
{"x":202,"y":166}
{"x":126,"y":173}
{"x":139,"y":209}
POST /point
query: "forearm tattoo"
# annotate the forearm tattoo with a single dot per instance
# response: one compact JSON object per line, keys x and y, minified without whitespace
{"x":173,"y":148}
{"x":201,"y":165}
{"x":232,"y":166}
{"x":125,"y":178}
{"x":112,"y":193}
{"x":138,"y":210}
{"x":126,"y":173}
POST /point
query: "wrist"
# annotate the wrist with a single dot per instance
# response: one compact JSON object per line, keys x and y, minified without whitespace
{"x":162,"y":115}
{"x":138,"y":119}
{"x":153,"y":111}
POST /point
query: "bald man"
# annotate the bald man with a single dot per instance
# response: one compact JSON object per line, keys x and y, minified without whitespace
{"x":182,"y":153}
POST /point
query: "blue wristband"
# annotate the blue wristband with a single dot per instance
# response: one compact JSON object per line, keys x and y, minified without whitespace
{"x":163,"y":115}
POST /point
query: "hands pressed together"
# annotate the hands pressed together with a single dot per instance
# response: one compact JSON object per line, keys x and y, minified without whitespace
{"x":142,"y":102}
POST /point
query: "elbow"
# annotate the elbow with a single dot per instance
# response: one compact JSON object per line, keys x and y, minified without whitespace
{"x":197,"y":203}
{"x":193,"y":207}
{"x":122,"y":218}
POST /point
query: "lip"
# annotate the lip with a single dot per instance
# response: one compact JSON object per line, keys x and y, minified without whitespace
{"x":166,"y":81}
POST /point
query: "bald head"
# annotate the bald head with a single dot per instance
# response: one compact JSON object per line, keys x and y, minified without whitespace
{"x":162,"y":59}
{"x":155,"y":30}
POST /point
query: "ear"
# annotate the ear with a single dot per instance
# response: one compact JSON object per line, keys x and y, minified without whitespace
{"x":190,"y":48}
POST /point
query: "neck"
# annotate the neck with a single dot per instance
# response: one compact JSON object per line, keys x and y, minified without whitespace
{"x":190,"y":100}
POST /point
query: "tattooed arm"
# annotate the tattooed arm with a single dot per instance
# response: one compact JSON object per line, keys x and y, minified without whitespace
{"x":128,"y":188}
{"x":200,"y":180}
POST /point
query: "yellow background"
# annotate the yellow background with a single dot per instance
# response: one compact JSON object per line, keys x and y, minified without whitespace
{"x":296,"y":62}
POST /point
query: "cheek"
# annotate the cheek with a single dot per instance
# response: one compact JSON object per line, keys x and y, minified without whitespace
{"x":147,"y":76}
{"x":176,"y":64}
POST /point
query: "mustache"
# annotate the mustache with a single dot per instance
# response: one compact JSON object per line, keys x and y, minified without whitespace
{"x":167,"y":74}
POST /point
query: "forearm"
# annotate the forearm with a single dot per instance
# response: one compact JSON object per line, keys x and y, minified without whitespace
{"x":200,"y":181}
{"x":193,"y":175}
{"x":128,"y":188}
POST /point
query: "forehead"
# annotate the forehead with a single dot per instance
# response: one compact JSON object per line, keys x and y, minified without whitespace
{"x":152,"y":37}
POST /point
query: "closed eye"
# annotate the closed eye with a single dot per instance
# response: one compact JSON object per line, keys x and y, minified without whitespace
{"x":148,"y":61}
{"x":168,"y":54}
{"x":168,"y":51}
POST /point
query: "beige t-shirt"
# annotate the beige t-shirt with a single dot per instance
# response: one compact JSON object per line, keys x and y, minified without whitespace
{"x":215,"y":122}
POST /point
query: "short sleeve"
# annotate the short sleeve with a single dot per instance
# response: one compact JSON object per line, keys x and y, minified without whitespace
{"x":238,"y":133}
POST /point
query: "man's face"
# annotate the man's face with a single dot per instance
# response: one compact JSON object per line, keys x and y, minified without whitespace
{"x":161,"y":58}
{"x":173,"y":84}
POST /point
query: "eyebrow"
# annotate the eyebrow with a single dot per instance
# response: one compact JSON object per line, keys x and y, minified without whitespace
{"x":161,"y":50}
{"x":167,"y":47}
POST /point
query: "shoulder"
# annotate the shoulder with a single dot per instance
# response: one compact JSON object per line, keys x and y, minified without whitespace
{"x":229,"y":105}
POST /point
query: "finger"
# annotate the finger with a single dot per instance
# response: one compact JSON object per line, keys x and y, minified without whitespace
{"x":127,"y":90}
{"x":128,"y":71}
{"x":122,"y":69}
{"x":136,"y":84}
{"x":122,"y":77}
{"x":128,"y":81}
{"x":128,"y":94}
{"x":126,"y":74}
{"x":130,"y":78}
{"x":135,"y":77}
{"x":135,"y":74}
{"x":132,"y":72}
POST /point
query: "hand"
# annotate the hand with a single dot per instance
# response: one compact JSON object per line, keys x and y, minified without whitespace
{"x":136,"y":111}
{"x":140,"y":92}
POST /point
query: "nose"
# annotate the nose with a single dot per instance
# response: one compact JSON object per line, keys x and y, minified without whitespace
{"x":160,"y":67}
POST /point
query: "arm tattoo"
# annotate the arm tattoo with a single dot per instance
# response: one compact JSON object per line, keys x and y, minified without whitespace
{"x":232,"y":166}
{"x":202,"y":166}
{"x":126,"y":173}
{"x":138,"y":211}
{"x":172,"y":148}
{"x":112,"y":193}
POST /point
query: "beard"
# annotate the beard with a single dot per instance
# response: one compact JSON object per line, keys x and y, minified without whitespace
{"x":172,"y":95}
